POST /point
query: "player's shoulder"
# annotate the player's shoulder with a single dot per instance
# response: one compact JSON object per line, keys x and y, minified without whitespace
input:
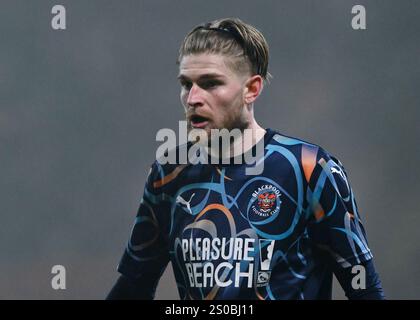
{"x":168,"y":165}
{"x":308,"y":152}
{"x":287,"y":140}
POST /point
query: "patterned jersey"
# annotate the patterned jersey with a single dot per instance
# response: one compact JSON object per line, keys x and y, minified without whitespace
{"x":231,"y":235}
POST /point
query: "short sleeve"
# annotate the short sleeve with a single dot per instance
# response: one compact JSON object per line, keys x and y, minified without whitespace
{"x":147,"y":253}
{"x":335,"y":224}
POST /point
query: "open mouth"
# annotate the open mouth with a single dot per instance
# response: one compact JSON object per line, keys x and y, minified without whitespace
{"x":198,"y":121}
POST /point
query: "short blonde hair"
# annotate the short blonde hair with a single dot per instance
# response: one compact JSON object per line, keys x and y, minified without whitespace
{"x":231,"y":37}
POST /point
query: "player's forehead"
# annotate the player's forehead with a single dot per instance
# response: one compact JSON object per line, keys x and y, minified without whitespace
{"x":204,"y":65}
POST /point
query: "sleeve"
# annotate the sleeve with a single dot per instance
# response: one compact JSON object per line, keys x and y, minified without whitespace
{"x":371,"y":288}
{"x":147,"y":254}
{"x":335,"y":224}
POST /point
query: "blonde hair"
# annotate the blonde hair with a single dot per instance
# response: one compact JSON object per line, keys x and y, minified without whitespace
{"x":231,"y":37}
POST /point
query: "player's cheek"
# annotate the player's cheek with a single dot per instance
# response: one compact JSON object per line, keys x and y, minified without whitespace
{"x":183,"y":96}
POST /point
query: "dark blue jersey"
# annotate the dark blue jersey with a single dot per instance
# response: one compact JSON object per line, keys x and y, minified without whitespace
{"x":229,"y":235}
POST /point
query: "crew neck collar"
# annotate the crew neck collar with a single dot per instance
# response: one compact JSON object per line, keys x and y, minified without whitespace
{"x":245,"y":155}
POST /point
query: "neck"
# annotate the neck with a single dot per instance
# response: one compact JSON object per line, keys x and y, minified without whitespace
{"x":249,"y":137}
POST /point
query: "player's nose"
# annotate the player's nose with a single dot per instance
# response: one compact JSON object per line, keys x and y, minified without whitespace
{"x":194,"y":98}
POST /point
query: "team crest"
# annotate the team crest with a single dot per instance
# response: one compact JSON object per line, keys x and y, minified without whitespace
{"x":266,"y":200}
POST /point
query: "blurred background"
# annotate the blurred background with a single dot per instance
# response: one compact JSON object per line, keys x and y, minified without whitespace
{"x":80,"y":108}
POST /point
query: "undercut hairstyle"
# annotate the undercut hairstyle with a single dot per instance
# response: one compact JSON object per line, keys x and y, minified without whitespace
{"x":233,"y":38}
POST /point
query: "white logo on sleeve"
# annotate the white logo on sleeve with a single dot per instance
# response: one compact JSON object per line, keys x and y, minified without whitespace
{"x":339,"y":171}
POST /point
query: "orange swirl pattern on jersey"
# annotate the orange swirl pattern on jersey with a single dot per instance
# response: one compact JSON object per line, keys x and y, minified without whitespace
{"x":308,"y":157}
{"x":168,"y":178}
{"x":216,"y":206}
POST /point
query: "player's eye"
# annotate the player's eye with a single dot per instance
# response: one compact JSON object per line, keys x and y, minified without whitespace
{"x":186,"y":85}
{"x":209,"y":84}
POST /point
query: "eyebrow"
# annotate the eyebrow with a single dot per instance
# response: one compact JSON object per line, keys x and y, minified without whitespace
{"x":202,"y":77}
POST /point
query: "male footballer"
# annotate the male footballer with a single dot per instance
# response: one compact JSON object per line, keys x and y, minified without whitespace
{"x":280,"y":234}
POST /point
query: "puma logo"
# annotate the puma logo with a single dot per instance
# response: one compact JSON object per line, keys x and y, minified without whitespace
{"x":181,"y":200}
{"x":341,"y":173}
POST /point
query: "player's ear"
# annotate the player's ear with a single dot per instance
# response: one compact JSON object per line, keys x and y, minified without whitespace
{"x":253,"y":88}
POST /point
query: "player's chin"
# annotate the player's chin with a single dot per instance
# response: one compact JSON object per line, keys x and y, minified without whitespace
{"x":199,"y":133}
